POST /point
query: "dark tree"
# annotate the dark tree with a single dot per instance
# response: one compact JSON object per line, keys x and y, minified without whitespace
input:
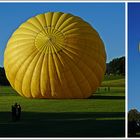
{"x":3,"y":79}
{"x":116,"y":66}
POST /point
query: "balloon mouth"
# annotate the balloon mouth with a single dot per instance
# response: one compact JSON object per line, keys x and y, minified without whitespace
{"x":50,"y":40}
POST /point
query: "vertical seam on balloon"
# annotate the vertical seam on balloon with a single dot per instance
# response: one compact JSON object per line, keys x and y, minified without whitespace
{"x":74,"y":24}
{"x":34,"y":69}
{"x":89,"y":68}
{"x":48,"y":27}
{"x":74,"y":78}
{"x":77,"y":56}
{"x":63,"y":23}
{"x":49,"y":16}
{"x":49,"y":55}
{"x":79,"y":72}
{"x":73,"y":75}
{"x":54,"y":27}
{"x":51,"y":22}
{"x":39,"y":22}
{"x":46,"y":55}
{"x":57,"y":70}
{"x":67,"y":85}
{"x":45,"y":15}
{"x":53,"y":64}
{"x":93,"y":60}
{"x":85,"y":54}
{"x":78,"y":68}
{"x":25,"y":71}
{"x":68,"y":18}
{"x":25,"y":61}
{"x":58,"y":20}
{"x":25,"y":74}
{"x":45,"y":21}
{"x":62,"y":17}
{"x":77,"y":24}
{"x":42,"y":70}
{"x":93,"y":70}
{"x":64,"y":74}
{"x":60,"y":14}
{"x":48,"y":72}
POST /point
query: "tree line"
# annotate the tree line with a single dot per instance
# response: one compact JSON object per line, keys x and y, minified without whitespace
{"x":133,"y":122}
{"x":3,"y":79}
{"x":133,"y":114}
{"x":116,"y":66}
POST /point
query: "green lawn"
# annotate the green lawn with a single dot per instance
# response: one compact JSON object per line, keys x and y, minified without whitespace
{"x":102,"y":115}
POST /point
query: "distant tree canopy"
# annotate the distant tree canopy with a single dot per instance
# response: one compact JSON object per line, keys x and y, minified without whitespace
{"x":134,"y":114}
{"x":116,"y":66}
{"x":3,"y":79}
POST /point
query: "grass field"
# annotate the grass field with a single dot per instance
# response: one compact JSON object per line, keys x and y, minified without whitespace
{"x":102,"y":115}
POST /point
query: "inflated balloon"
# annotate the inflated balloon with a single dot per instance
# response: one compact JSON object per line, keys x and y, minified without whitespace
{"x":55,"y":55}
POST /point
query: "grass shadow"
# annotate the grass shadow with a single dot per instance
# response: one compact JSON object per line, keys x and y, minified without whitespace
{"x":71,"y":124}
{"x":106,"y":97}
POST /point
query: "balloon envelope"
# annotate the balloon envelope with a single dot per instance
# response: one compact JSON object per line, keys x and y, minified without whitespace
{"x":55,"y":55}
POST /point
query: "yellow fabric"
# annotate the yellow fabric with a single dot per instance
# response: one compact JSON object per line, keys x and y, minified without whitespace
{"x":55,"y":55}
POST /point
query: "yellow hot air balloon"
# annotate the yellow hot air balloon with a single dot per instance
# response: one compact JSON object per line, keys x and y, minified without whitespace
{"x":55,"y":55}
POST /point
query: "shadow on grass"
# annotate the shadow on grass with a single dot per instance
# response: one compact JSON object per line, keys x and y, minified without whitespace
{"x":63,"y":124}
{"x":106,"y":97}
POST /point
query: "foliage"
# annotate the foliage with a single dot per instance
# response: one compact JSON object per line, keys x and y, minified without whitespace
{"x":116,"y":66}
{"x":3,"y":79}
{"x":133,"y":114}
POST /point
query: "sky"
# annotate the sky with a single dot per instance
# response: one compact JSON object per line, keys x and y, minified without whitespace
{"x":107,"y":18}
{"x":133,"y":56}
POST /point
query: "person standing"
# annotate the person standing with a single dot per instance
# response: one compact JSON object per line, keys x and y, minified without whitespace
{"x":19,"y":112}
{"x":16,"y":112}
{"x":13,"y":113}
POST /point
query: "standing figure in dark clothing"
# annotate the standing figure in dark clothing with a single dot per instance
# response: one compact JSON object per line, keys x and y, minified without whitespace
{"x":16,"y":112}
{"x":108,"y":88}
{"x":13,"y":113}
{"x":19,"y":112}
